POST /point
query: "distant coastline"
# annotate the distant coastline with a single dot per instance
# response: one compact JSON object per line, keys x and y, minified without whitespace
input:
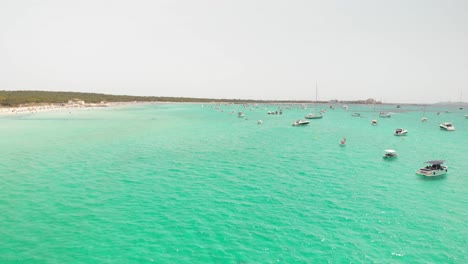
{"x":23,"y":98}
{"x":40,"y":98}
{"x":52,"y":99}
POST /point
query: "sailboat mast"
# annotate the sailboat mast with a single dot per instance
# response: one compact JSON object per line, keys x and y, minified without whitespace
{"x":316,"y":92}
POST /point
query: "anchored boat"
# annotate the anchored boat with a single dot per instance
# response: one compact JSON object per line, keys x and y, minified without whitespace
{"x":313,"y":116}
{"x":433,"y":168}
{"x":385,"y":115}
{"x":447,"y":126}
{"x":390,"y":154}
{"x":400,"y":132}
{"x":300,"y":122}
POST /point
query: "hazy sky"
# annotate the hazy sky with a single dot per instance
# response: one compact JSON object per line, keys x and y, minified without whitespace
{"x":392,"y":50}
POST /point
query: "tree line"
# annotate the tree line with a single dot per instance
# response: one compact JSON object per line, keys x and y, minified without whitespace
{"x":17,"y":98}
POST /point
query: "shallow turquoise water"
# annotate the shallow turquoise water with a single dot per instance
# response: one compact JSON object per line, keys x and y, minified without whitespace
{"x":178,"y":183}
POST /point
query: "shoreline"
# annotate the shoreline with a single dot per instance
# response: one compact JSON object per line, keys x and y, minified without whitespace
{"x":62,"y":107}
{"x":80,"y":105}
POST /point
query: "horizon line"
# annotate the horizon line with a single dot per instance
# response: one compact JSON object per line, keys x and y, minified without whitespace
{"x":356,"y":101}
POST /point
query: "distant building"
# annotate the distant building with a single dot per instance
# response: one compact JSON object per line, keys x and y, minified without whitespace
{"x":76,"y":102}
{"x":368,"y":101}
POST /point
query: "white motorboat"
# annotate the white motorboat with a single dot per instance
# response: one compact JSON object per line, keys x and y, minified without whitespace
{"x":385,"y":115}
{"x":433,"y":169}
{"x":259,"y":122}
{"x":356,"y":114}
{"x":300,"y":122}
{"x":374,"y":122}
{"x":424,"y":119}
{"x":400,"y":132}
{"x":390,"y":154}
{"x":314,"y":116}
{"x":240,"y":114}
{"x":447,"y":126}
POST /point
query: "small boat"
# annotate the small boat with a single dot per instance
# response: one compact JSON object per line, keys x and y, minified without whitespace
{"x":400,"y":132}
{"x":385,"y":115}
{"x":390,"y":154}
{"x":424,"y":118}
{"x":433,"y":169}
{"x":314,"y":116}
{"x":447,"y":126}
{"x":280,"y":112}
{"x":259,"y":122}
{"x":356,"y":114}
{"x":240,"y":114}
{"x":300,"y":122}
{"x":373,"y":122}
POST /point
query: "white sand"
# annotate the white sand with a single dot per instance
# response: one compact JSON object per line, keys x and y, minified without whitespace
{"x":31,"y":109}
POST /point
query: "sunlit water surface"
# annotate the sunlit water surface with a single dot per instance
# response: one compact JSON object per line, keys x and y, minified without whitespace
{"x":178,"y":183}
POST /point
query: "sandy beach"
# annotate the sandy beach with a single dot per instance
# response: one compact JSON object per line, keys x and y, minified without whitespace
{"x":63,"y":107}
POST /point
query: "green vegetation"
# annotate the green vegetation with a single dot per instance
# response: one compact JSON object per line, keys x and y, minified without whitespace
{"x":17,"y":98}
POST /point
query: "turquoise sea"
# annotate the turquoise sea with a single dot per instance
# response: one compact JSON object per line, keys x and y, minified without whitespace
{"x":190,"y":183}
